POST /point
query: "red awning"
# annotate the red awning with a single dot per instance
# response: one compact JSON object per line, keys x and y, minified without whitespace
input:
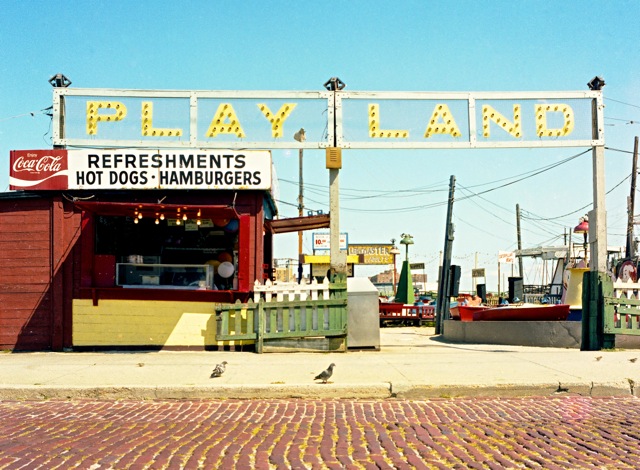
{"x":297,"y":224}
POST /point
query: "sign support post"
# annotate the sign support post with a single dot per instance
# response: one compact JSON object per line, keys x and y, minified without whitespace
{"x":334,"y":163}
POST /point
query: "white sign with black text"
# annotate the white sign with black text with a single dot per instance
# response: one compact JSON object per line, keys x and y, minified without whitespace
{"x":169,"y":169}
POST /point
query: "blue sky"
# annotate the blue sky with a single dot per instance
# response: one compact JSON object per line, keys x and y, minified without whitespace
{"x":371,"y":46}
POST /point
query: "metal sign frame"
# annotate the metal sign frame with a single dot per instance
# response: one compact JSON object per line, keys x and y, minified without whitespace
{"x":471,"y":98}
{"x":334,"y":131}
{"x":193,"y":140}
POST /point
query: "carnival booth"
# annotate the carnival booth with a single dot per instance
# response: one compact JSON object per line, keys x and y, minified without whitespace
{"x":128,"y":268}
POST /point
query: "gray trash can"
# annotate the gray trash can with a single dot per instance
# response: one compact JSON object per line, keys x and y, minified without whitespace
{"x":363,"y":317}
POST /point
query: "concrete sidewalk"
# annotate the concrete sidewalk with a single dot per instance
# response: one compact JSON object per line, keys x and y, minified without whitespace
{"x":412,"y":363}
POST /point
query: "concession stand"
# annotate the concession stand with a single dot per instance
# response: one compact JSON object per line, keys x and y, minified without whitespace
{"x":135,"y":267}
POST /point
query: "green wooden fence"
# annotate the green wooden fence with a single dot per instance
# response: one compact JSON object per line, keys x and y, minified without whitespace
{"x":263,"y":321}
{"x":622,"y":308}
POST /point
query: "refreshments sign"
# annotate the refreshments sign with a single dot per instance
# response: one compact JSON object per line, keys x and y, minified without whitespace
{"x":139,"y":169}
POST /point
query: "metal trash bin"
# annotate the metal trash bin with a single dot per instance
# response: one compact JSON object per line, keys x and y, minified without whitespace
{"x":363,"y":317}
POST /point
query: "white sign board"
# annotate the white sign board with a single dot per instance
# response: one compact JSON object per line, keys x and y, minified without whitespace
{"x":168,"y":169}
{"x":322,"y":241}
{"x":506,"y":257}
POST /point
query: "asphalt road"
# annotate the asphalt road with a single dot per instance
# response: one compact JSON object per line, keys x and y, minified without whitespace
{"x":558,"y":432}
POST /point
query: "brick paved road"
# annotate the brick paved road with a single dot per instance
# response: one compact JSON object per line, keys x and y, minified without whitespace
{"x":544,"y":432}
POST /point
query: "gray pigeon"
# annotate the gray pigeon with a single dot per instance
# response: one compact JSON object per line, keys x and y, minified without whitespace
{"x":325,"y":374}
{"x":219,"y":369}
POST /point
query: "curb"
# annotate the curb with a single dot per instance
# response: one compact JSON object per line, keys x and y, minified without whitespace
{"x":591,"y":389}
{"x":377,"y":391}
{"x":242,"y":392}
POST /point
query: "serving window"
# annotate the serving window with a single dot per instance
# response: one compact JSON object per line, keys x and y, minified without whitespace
{"x":167,"y":252}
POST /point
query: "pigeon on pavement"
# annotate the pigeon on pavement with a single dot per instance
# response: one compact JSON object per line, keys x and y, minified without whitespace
{"x":325,"y":374}
{"x":219,"y":369}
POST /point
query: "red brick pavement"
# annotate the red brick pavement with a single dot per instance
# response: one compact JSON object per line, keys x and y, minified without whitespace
{"x":563,"y":432}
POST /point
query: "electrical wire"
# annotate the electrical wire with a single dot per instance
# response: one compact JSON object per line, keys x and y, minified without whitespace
{"x":622,"y":102}
{"x":30,"y":113}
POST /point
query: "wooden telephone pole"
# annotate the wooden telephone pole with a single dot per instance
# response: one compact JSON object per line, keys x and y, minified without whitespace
{"x":630,"y":252}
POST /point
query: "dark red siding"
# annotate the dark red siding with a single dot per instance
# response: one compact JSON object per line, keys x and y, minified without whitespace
{"x":35,"y":240}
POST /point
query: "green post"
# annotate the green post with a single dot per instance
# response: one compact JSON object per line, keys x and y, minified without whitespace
{"x":405,"y":285}
{"x":595,"y":286}
{"x":261,"y":326}
{"x":338,"y":290}
{"x":608,"y":339}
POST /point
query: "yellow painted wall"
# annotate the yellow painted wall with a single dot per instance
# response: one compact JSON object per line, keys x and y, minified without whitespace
{"x":145,"y":323}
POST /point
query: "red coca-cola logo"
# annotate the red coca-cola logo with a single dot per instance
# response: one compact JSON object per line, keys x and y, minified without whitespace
{"x":46,"y":163}
{"x":38,"y":169}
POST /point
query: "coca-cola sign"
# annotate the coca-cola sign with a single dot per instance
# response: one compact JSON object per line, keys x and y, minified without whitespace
{"x":38,"y":169}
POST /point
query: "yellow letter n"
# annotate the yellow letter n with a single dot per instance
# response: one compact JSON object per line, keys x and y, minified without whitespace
{"x":490,"y":114}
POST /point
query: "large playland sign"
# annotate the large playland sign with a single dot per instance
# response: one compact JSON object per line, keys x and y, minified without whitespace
{"x":269,"y":119}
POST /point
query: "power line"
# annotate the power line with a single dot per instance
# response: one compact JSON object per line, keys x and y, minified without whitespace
{"x":622,"y":102}
{"x":30,"y":113}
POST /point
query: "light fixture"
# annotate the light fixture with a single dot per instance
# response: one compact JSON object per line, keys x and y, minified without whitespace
{"x":395,"y":252}
{"x":198,"y":222}
{"x":184,"y":217}
{"x":406,"y":240}
{"x":59,"y":81}
{"x":135,"y":220}
{"x":596,"y":83}
{"x":178,"y":222}
{"x":583,"y":226}
{"x":139,"y":215}
{"x":161,"y":216}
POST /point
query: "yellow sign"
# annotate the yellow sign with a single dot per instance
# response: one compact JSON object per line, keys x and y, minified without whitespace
{"x":326,"y":259}
{"x":372,"y":254}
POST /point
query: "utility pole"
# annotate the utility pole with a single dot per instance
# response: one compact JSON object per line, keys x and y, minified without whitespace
{"x":520,"y":270}
{"x":300,"y":137}
{"x":629,"y":253}
{"x":338,"y":259}
{"x":442,"y":304}
{"x":593,"y":336}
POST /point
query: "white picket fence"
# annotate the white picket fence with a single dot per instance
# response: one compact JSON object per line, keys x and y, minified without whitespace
{"x":284,"y":311}
{"x":289,"y":291}
{"x":626,"y":289}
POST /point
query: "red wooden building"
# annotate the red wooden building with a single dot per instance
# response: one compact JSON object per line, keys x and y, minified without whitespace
{"x":130,"y":268}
